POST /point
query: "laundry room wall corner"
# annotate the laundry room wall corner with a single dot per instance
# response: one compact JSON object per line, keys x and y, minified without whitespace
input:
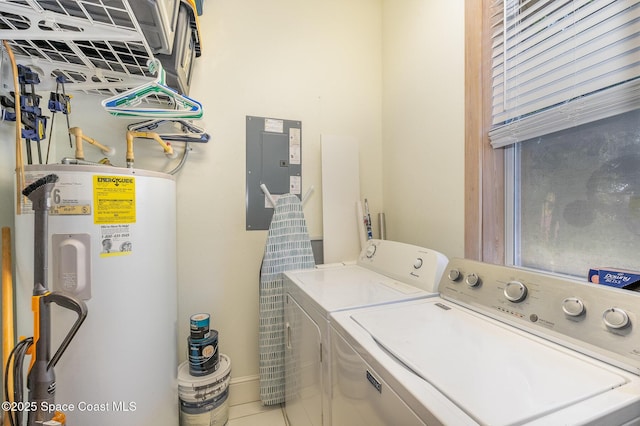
{"x":423,"y":123}
{"x":316,"y":62}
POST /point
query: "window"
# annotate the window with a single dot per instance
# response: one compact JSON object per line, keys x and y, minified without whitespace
{"x":565,"y":82}
{"x":577,"y":197}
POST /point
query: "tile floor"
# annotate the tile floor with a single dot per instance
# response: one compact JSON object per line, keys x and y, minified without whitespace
{"x":255,"y":414}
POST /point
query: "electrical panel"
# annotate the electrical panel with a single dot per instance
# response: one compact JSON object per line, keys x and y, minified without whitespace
{"x":273,"y":159}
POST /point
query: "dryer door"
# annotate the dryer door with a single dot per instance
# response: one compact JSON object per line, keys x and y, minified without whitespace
{"x":303,"y":366}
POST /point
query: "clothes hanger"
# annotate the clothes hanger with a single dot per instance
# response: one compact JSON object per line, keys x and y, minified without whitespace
{"x":189,"y":132}
{"x":128,"y":103}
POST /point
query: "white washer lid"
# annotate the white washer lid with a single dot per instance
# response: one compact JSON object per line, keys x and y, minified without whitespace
{"x":495,"y":373}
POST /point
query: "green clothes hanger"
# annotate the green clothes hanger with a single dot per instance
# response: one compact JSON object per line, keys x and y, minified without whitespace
{"x":140,"y":101}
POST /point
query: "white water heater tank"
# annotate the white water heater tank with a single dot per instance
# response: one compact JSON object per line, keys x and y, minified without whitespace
{"x":112,"y":243}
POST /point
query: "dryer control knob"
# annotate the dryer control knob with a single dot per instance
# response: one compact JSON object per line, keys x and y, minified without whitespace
{"x":454,"y":275}
{"x":371,"y":250}
{"x":515,"y":291}
{"x":573,"y":306}
{"x":615,"y":318}
{"x":472,"y":280}
{"x":418,"y":263}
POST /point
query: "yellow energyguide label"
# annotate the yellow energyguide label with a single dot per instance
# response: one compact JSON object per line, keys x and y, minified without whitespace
{"x":114,"y":199}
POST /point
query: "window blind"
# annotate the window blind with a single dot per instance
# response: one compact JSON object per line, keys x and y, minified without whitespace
{"x":561,"y":63}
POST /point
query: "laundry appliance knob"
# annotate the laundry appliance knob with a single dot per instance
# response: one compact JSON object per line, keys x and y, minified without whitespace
{"x":573,"y":306}
{"x":615,"y":318}
{"x":472,"y":280}
{"x":454,"y":275}
{"x":371,"y":250}
{"x":515,"y":291}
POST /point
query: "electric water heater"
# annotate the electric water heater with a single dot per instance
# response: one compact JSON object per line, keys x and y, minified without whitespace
{"x":111,"y":243}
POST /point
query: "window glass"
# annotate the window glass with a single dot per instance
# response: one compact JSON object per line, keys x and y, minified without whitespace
{"x":577,"y":203}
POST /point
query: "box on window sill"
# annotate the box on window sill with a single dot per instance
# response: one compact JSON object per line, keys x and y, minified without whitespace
{"x":619,"y":278}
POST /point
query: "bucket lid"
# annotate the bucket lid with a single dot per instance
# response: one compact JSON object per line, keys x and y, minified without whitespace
{"x":186,"y":380}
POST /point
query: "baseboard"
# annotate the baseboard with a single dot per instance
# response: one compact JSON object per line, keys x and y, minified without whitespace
{"x":243,"y":390}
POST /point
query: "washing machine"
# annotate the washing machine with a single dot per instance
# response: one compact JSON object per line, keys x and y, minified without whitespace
{"x":385,"y":272}
{"x":498,"y":346}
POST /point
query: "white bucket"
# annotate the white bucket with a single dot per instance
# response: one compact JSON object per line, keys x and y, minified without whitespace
{"x":204,"y":399}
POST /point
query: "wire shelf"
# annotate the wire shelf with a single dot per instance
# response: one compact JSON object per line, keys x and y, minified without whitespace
{"x":96,"y":45}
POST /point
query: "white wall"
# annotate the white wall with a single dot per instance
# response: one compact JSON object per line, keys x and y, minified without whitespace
{"x":423,"y":123}
{"x":321,"y":62}
{"x":317,"y":61}
{"x":314,"y":61}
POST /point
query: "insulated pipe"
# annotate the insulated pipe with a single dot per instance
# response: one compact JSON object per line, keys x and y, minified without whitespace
{"x":131,"y":134}
{"x":19,"y":160}
{"x":8,"y":337}
{"x":77,"y":132}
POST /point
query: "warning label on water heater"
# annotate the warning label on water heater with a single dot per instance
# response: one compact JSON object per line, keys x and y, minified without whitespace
{"x":69,"y":197}
{"x":116,"y":240}
{"x":114,"y":199}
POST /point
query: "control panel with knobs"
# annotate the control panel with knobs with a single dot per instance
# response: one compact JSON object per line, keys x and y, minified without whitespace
{"x":590,"y":317}
{"x":417,"y":266}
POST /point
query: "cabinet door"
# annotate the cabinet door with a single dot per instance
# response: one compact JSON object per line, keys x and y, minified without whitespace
{"x":303,"y":367}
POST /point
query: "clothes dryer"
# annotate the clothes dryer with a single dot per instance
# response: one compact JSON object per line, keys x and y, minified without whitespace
{"x":385,"y":272}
